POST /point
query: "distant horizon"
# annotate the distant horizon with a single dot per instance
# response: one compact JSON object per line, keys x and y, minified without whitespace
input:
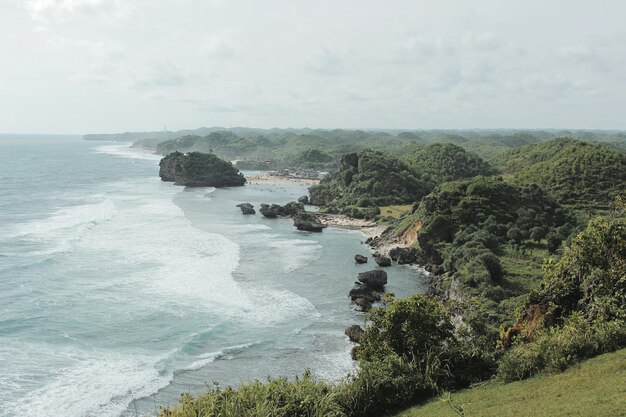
{"x":367,"y":129}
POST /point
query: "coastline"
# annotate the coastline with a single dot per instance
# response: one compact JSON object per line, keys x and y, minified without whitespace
{"x":267,"y":179}
{"x":339,"y":221}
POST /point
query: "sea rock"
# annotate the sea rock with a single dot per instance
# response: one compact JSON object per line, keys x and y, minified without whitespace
{"x":375,"y":279}
{"x":354,"y":333}
{"x":246,"y":208}
{"x":362,"y":291}
{"x":403,"y":255}
{"x":360,"y":259}
{"x":362,"y":305}
{"x":271,"y":211}
{"x":304,"y":199}
{"x":383,"y":260}
{"x":307,"y":222}
{"x":292,"y":208}
{"x":195,"y":169}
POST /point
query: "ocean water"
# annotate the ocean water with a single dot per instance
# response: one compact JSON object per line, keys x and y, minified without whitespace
{"x":118,"y":292}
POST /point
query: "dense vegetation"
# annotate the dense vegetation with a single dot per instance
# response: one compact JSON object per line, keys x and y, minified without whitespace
{"x":443,"y":162}
{"x":367,"y":179}
{"x":574,"y":172}
{"x":287,"y":148}
{"x":199,"y":169}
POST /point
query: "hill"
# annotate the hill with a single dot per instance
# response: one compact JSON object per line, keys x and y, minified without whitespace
{"x":574,"y":172}
{"x":596,"y":387}
{"x":367,"y":179}
{"x":443,"y":162}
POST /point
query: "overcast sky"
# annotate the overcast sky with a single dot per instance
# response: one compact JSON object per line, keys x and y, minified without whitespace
{"x":81,"y":66}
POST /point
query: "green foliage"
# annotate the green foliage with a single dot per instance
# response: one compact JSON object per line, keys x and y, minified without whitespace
{"x":557,"y":348}
{"x":409,"y":327}
{"x":574,"y":172}
{"x":306,"y":397}
{"x":199,"y":169}
{"x":443,"y":162}
{"x":591,"y":276}
{"x":374,"y":179}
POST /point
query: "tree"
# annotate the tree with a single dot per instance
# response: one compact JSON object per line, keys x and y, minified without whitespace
{"x":537,"y":233}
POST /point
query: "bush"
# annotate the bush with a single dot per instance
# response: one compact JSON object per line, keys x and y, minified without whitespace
{"x":557,"y":348}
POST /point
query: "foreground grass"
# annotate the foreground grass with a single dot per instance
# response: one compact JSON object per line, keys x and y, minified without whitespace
{"x":596,"y":387}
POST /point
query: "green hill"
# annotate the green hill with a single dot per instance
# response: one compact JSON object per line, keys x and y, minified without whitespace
{"x":596,"y":387}
{"x":443,"y":162}
{"x":370,"y":178}
{"x":574,"y":172}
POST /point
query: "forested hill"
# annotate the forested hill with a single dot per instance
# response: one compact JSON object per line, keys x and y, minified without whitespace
{"x":573,"y":171}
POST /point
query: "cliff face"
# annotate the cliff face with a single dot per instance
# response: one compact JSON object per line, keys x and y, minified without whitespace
{"x":197,"y":169}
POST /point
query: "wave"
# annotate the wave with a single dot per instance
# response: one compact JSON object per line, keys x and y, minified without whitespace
{"x":107,"y":382}
{"x":210,"y":357}
{"x":126,"y":150}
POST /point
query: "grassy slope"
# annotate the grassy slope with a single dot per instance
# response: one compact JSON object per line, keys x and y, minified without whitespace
{"x":596,"y":387}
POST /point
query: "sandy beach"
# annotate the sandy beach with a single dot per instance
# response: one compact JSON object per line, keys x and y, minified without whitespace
{"x":268,"y":179}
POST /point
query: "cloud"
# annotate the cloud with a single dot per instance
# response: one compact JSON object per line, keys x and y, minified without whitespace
{"x":325,"y":63}
{"x":219,"y":46}
{"x":49,"y":10}
{"x":160,"y":74}
{"x":482,"y":42}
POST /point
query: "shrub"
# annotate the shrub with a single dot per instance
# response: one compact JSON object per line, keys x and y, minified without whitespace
{"x":557,"y":348}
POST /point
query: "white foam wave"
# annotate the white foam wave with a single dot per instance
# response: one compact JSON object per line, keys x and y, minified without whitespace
{"x":125,"y":150}
{"x":65,"y":226}
{"x":295,"y":253}
{"x":210,"y":357}
{"x":106,"y":382}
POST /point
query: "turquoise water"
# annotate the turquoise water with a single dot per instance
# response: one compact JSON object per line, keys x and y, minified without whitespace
{"x":118,"y":291}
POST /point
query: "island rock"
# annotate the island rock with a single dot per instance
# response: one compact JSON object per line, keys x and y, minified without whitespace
{"x":195,"y":169}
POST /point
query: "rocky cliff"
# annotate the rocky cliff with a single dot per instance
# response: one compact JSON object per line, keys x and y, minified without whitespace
{"x":197,"y":169}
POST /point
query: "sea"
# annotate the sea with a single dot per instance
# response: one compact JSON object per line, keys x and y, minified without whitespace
{"x":119,"y":292}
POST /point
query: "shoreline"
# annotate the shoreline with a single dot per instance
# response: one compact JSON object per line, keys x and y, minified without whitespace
{"x":268,"y":179}
{"x":340,"y":221}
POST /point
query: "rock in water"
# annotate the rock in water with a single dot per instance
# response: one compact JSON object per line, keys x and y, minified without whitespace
{"x":354,"y":333}
{"x":360,"y":259}
{"x":304,"y":199}
{"x":363,"y":292}
{"x":307,"y":222}
{"x":383,"y":260}
{"x":375,"y":279}
{"x":271,"y":211}
{"x":362,"y":305}
{"x":246,"y":208}
{"x":197,"y":169}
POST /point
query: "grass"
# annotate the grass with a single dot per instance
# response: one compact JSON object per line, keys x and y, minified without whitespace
{"x":523,"y":268}
{"x":596,"y":387}
{"x":394,"y":211}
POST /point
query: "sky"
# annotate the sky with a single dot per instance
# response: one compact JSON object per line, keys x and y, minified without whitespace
{"x":105,"y":66}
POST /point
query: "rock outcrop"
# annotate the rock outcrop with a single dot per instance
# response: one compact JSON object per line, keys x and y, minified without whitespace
{"x":304,"y":199}
{"x":404,"y":255}
{"x":375,"y":279}
{"x":246,"y":208}
{"x":362,"y":305}
{"x":382,"y":260}
{"x":272,"y":211}
{"x":360,"y":259}
{"x":361,"y":291}
{"x":195,"y":169}
{"x":354,"y":333}
{"x":307,"y":222}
